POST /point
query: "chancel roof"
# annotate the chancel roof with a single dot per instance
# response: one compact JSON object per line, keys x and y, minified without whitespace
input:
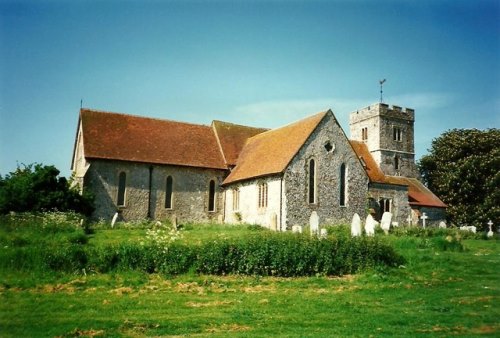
{"x":232,"y":138}
{"x":132,"y":138}
{"x":418,"y":194}
{"x":270,"y":152}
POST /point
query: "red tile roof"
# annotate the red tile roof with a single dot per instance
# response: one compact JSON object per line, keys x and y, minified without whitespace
{"x":132,"y":138}
{"x":232,"y":138}
{"x":418,"y":194}
{"x":270,"y":152}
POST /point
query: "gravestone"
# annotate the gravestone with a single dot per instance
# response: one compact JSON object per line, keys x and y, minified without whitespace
{"x":220,"y":219}
{"x":356,"y":226}
{"x":297,"y":229}
{"x":385,"y":222}
{"x":370,"y":225}
{"x":490,"y":233}
{"x":468,"y":228}
{"x":274,"y":222}
{"x":424,"y":217}
{"x":395,"y":224}
{"x":113,"y":221}
{"x":323,"y":233}
{"x":442,"y":225}
{"x":314,"y":223}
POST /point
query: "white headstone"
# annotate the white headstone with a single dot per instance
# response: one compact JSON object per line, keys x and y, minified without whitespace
{"x":174,"y":222}
{"x":385,"y":222}
{"x":442,"y":225}
{"x":424,"y":217}
{"x":113,"y":221}
{"x":468,"y":228}
{"x":395,"y":224}
{"x":490,"y":233}
{"x":297,"y":229}
{"x":274,"y":222}
{"x":409,"y":220}
{"x":314,"y":223}
{"x":370,"y":225}
{"x":356,"y":226}
{"x":323,"y":233}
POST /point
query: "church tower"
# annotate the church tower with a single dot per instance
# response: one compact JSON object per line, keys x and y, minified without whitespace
{"x":388,"y":132}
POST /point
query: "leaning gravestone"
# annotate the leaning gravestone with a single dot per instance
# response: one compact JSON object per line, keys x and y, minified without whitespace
{"x":113,"y":221}
{"x":385,"y":222}
{"x":442,"y":225}
{"x":314,"y":223}
{"x":356,"y":226}
{"x":370,"y":225}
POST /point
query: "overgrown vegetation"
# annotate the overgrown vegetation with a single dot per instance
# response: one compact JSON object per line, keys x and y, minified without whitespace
{"x":94,"y":285}
{"x":462,"y":169}
{"x":38,"y":188}
{"x":29,"y":246}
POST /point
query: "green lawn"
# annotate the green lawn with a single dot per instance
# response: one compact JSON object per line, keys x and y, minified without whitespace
{"x":437,"y":293}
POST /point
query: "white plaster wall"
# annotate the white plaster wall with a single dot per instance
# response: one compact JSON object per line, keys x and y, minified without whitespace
{"x":249,"y":196}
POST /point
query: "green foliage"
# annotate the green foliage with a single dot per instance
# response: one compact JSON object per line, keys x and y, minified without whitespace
{"x":462,"y":168}
{"x":39,"y":188}
{"x":287,"y":255}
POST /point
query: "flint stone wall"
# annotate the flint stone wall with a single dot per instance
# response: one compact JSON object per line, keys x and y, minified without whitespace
{"x":190,"y":191}
{"x":296,"y":179}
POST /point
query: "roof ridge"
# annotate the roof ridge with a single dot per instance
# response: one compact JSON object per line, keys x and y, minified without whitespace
{"x":143,"y":117}
{"x":293,"y":123}
{"x":239,"y":125}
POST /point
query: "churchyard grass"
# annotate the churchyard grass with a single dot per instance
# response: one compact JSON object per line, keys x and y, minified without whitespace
{"x":438,"y":292}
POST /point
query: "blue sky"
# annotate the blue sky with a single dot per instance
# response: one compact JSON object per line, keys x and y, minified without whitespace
{"x":260,"y":63}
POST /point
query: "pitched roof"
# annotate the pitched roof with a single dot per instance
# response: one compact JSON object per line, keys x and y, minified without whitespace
{"x":232,"y":138}
{"x":132,"y":138}
{"x":418,"y":194}
{"x":270,"y":152}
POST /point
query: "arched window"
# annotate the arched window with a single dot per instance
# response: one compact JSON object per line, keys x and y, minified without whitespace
{"x":122,"y":181}
{"x":211,"y":196}
{"x":312,"y":181}
{"x":169,"y":189}
{"x":343,"y":185}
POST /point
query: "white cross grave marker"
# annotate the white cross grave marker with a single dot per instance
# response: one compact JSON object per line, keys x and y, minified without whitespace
{"x":424,"y":217}
{"x":490,"y":233}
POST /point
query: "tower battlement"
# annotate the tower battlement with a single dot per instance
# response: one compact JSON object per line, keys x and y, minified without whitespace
{"x":382,"y":109}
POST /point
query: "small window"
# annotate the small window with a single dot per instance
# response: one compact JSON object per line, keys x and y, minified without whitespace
{"x":122,"y":181}
{"x":364,"y":134}
{"x":169,"y":192}
{"x":236,"y":199}
{"x":211,"y":196}
{"x":262,"y":195}
{"x":397,"y":134}
{"x":385,"y":205}
{"x":312,"y":181}
{"x":343,"y":185}
{"x":329,"y":147}
{"x":396,"y":162}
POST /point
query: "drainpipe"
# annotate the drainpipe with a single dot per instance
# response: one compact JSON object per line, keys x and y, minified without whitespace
{"x":150,"y":189}
{"x":281,"y":202}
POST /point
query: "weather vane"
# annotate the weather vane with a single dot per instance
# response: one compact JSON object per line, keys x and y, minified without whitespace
{"x":381,"y":91}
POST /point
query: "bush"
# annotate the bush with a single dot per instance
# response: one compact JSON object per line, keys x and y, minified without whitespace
{"x":290,"y":255}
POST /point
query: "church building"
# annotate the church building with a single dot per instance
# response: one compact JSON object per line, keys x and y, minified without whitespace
{"x":145,"y":168}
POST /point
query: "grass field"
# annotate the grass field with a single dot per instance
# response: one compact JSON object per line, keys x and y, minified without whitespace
{"x":437,"y":293}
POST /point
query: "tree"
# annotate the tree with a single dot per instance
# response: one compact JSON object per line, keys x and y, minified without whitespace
{"x":463,"y":169}
{"x":39,"y":188}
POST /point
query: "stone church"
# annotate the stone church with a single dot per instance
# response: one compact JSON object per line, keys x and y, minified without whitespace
{"x":158,"y":169}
